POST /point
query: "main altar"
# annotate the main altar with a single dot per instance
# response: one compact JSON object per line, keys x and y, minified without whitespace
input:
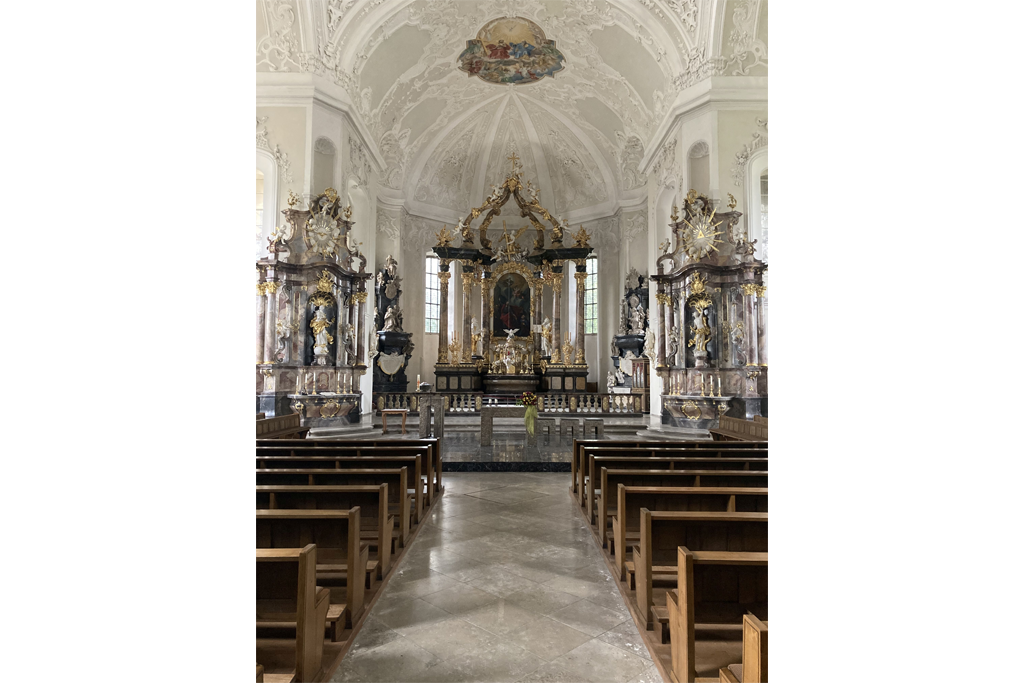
{"x":515,"y":345}
{"x":311,"y":298}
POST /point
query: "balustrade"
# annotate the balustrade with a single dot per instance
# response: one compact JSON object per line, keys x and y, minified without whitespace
{"x":469,"y":403}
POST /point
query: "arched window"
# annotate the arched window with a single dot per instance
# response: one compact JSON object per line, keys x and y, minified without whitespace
{"x":590,"y":297}
{"x":433,"y":306}
{"x":266,"y":199}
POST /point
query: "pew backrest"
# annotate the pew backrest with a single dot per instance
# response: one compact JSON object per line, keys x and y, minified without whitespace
{"x":286,"y":582}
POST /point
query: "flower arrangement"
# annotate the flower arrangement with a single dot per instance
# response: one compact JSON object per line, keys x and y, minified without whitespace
{"x":528,"y":399}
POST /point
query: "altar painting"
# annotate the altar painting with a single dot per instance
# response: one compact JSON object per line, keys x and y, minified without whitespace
{"x":511,"y":50}
{"x":512,"y":306}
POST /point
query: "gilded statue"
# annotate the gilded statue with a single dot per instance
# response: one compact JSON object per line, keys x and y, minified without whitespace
{"x":701,"y":331}
{"x":477,"y":335}
{"x":320,"y":324}
{"x":545,"y":337}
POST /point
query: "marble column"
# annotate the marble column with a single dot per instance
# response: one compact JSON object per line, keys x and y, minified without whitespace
{"x":536,"y":315}
{"x":670,"y":324}
{"x":467,"y":309}
{"x":443,"y":276}
{"x":344,"y":316}
{"x":289,"y":314}
{"x":581,"y":337}
{"x":662,"y":344}
{"x":762,"y":339}
{"x":270,"y":333}
{"x":750,"y":324}
{"x":261,"y":319}
{"x":485,"y":317}
{"x":556,"y":315}
{"x":301,"y":296}
{"x":360,"y":325}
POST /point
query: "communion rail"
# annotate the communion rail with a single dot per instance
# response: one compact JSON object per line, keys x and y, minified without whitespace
{"x":469,"y":403}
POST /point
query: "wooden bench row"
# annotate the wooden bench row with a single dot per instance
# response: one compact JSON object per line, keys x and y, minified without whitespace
{"x":735,"y":429}
{"x":689,"y":547}
{"x":282,"y":427}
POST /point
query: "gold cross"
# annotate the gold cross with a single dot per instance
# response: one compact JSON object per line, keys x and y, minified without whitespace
{"x":513,"y":158}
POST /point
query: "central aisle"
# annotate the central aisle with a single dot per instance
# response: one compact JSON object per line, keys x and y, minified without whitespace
{"x":503,"y":583}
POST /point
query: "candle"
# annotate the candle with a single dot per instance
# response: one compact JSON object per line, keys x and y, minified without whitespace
{"x":719,"y":386}
{"x":298,"y":382}
{"x":417,"y":380}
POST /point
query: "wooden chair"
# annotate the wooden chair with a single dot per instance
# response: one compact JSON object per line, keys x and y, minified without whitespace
{"x":754,"y":667}
{"x":661,"y":534}
{"x":377,"y":525}
{"x":714,"y":592}
{"x":626,"y":520}
{"x":287,"y":596}
{"x":341,"y":556}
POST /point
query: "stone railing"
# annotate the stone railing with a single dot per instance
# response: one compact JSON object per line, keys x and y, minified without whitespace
{"x":469,"y":403}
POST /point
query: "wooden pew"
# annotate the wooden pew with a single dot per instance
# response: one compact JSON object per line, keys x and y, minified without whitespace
{"x":341,"y":556}
{"x":432,"y":444}
{"x":287,"y":595}
{"x":735,"y":429}
{"x":661,"y":534}
{"x":342,"y":463}
{"x":626,"y":520}
{"x":268,"y":458}
{"x":715,"y":590}
{"x":399,"y":501}
{"x":754,"y":665}
{"x":724,"y":454}
{"x":579,"y":444}
{"x":596,"y":463}
{"x":378,"y":526}
{"x":283,"y":426}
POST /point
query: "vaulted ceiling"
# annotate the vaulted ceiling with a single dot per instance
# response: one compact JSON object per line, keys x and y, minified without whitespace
{"x":445,"y":134}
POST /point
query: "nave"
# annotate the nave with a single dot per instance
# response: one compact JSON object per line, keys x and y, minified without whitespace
{"x":504,"y":583}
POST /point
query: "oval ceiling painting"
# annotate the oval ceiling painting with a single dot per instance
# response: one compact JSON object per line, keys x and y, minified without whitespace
{"x":511,"y":50}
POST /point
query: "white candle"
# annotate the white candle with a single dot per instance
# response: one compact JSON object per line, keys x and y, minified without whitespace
{"x":719,"y":386}
{"x":417,"y":380}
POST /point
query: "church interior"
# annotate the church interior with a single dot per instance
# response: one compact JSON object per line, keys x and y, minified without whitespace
{"x":512,"y":340}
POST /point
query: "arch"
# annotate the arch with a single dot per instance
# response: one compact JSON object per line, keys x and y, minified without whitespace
{"x":756,"y":165}
{"x":698,"y":167}
{"x":267,"y":165}
{"x":324,"y":160}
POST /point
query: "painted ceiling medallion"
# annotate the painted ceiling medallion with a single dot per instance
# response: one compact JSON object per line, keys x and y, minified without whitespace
{"x":511,"y":50}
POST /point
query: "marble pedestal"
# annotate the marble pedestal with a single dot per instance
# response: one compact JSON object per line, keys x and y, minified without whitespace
{"x":487,"y":415}
{"x":565,"y":379}
{"x":326,"y":410}
{"x":693,"y":412}
{"x":391,"y":343}
{"x":457,"y":378}
{"x":431,"y":403}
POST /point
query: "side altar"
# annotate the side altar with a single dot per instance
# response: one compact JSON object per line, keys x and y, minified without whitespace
{"x":311,"y":298}
{"x":711,"y":349}
{"x":515,"y":345}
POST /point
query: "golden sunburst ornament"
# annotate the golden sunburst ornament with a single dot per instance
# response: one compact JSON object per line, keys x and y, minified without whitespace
{"x":700,"y":237}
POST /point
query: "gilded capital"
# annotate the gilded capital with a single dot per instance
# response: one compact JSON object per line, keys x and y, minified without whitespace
{"x":749,"y":289}
{"x":467,"y":280}
{"x":581,"y":277}
{"x":663,"y":298}
{"x":762,"y":290}
{"x":271,"y":287}
{"x":359,"y":297}
{"x":261,"y":288}
{"x":444,"y":276}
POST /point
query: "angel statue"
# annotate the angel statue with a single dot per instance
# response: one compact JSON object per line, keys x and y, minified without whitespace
{"x":665,"y":245}
{"x":391,"y":266}
{"x":464,"y":229}
{"x":511,"y":335}
{"x":545,"y":337}
{"x":673,"y":346}
{"x":611,"y":381}
{"x":701,"y":331}
{"x":636,"y":319}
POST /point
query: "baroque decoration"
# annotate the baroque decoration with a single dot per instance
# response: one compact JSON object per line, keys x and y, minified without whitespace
{"x":511,"y":50}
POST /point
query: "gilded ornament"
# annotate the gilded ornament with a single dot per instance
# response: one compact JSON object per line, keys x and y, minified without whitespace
{"x":761,"y":290}
{"x":663,"y":298}
{"x":331,"y":194}
{"x":272,"y":287}
{"x":261,"y":288}
{"x":700,"y":237}
{"x":675,"y":214}
{"x":749,"y":289}
{"x":581,"y":238}
{"x":691,"y":196}
{"x":698,"y":284}
{"x":330,"y":409}
{"x":348,"y":211}
{"x":297,"y":407}
{"x":321,"y":300}
{"x":324,"y":284}
{"x":293,"y":198}
{"x":444,"y":237}
{"x":690,"y":410}
{"x":732,"y":201}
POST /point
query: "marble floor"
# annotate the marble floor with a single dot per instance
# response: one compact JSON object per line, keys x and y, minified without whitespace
{"x":503,"y":583}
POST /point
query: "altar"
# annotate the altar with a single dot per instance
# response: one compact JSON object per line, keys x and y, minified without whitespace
{"x":514,"y":345}
{"x":487,"y":415}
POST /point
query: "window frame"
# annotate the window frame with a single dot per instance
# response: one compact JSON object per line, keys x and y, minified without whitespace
{"x":590,"y":311}
{"x":432,"y":303}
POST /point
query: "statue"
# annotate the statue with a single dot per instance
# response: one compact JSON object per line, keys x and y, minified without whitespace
{"x":545,"y":337}
{"x":673,"y":346}
{"x":745,"y":250}
{"x":391,"y":320}
{"x":476,"y":336}
{"x":391,"y":266}
{"x":637,"y":316}
{"x":511,"y":335}
{"x":650,"y":349}
{"x":349,"y":340}
{"x":322,"y":338}
{"x":620,"y":376}
{"x":611,"y":381}
{"x":701,"y":331}
{"x":665,"y":246}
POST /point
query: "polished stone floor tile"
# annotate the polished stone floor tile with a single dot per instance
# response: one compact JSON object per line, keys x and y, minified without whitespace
{"x":503,"y":583}
{"x":596,"y":661}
